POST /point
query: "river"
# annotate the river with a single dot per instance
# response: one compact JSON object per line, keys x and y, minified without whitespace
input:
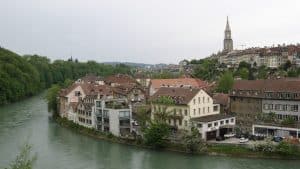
{"x":60,"y":148}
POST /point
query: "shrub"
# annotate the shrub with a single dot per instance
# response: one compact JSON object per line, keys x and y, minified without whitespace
{"x":156,"y":134}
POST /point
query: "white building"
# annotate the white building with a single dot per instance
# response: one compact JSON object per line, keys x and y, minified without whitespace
{"x":191,"y":107}
{"x":114,"y":116}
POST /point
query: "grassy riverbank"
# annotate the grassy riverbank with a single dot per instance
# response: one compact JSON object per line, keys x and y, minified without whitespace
{"x":291,"y":152}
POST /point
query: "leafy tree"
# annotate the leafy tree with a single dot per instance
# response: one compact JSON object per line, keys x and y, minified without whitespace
{"x":244,"y":73}
{"x":51,"y":97}
{"x":286,"y":65}
{"x":262,"y":72}
{"x":244,"y":64}
{"x":24,"y":160}
{"x":225,"y":83}
{"x":193,"y":140}
{"x":206,"y":69}
{"x":156,"y":134}
{"x":23,"y":76}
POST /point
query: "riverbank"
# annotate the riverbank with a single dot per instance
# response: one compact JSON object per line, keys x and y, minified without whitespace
{"x":206,"y":149}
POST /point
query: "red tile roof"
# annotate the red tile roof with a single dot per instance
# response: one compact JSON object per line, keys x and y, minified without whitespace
{"x":180,"y":82}
{"x":221,"y":98}
{"x":120,"y":79}
{"x":179,"y":95}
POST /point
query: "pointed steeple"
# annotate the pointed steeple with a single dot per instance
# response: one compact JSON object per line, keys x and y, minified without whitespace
{"x":227,"y":25}
{"x":228,"y":43}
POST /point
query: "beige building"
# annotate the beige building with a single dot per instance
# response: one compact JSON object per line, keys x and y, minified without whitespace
{"x":188,"y":108}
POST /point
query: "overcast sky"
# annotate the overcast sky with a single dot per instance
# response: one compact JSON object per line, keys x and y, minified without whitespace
{"x":148,"y":31}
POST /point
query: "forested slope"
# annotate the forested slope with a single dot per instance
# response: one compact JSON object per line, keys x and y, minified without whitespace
{"x":23,"y":76}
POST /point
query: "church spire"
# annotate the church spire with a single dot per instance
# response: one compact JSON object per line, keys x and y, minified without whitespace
{"x":227,"y":25}
{"x":228,"y":43}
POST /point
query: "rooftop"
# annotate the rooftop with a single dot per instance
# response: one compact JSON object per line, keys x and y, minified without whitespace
{"x":180,"y":82}
{"x":178,"y":95}
{"x":211,"y":118}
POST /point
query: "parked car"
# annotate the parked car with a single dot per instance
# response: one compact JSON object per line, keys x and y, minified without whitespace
{"x":277,"y":139}
{"x":244,"y":140}
{"x":228,"y":135}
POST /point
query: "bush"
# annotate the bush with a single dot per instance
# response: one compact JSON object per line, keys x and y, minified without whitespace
{"x":156,"y":134}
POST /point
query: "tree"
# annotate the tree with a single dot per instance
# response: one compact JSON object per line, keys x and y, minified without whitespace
{"x":244,"y":64}
{"x":24,"y":160}
{"x":193,"y":140}
{"x":286,"y":65}
{"x":206,"y":69}
{"x":51,"y":97}
{"x":262,"y":72}
{"x":156,"y":134}
{"x":244,"y":73}
{"x":225,"y":83}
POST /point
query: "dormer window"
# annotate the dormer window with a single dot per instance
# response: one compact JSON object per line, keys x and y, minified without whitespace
{"x":77,"y":93}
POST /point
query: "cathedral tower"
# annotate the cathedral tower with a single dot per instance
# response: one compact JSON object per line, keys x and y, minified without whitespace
{"x":228,"y":43}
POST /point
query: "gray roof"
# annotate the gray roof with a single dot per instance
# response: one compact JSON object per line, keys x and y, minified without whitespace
{"x":211,"y":118}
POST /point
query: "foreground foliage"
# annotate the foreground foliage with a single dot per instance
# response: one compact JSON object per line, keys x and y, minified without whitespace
{"x":24,"y":160}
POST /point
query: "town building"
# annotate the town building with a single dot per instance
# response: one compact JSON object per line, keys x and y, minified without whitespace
{"x":77,"y":95}
{"x":190,"y":107}
{"x":271,"y":57}
{"x":156,"y":84}
{"x":119,"y":79}
{"x":269,"y":107}
{"x":223,"y":100}
{"x":114,"y":116}
{"x":132,"y":91}
{"x":90,"y":79}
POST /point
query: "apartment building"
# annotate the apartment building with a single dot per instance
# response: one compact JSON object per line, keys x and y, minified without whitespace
{"x":114,"y":116}
{"x":280,"y":99}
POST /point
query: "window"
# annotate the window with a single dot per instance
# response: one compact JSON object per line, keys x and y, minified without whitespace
{"x":194,"y":100}
{"x":227,"y":121}
{"x":203,"y":100}
{"x":207,"y":109}
{"x":294,"y":108}
{"x":216,"y":124}
{"x":270,"y":106}
{"x":98,"y":103}
{"x":185,"y":112}
{"x":199,"y":100}
{"x":180,"y":112}
{"x":199,"y":125}
{"x":77,"y":93}
{"x":194,"y":112}
{"x":208,"y":100}
{"x":203,"y":110}
{"x":185,"y":123}
{"x":124,"y":114}
{"x":199,"y":111}
{"x":216,"y":108}
{"x":180,"y":122}
{"x":209,"y":125}
{"x":284,"y":107}
{"x":222,"y":122}
{"x":265,"y":106}
{"x":277,"y":106}
{"x":169,"y":121}
{"x":232,"y":120}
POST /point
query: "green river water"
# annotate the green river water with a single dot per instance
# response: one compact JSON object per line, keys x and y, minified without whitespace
{"x":60,"y":148}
